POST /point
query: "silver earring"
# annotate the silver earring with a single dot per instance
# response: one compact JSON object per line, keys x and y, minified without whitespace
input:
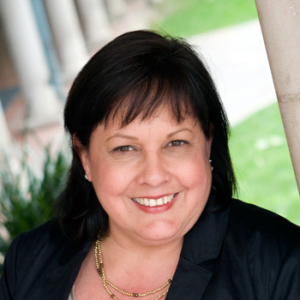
{"x":212,"y":168}
{"x":85,"y":177}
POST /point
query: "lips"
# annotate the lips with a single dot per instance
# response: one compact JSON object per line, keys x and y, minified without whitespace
{"x":154,"y":202}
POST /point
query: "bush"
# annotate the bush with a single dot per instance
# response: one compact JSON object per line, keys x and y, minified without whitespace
{"x":26,"y":200}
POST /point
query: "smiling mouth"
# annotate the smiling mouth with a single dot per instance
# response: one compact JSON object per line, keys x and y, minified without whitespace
{"x":154,"y":202}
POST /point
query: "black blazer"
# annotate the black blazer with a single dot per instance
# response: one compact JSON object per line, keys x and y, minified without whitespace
{"x":241,"y":253}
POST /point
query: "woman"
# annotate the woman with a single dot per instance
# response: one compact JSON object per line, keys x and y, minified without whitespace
{"x":148,"y":209}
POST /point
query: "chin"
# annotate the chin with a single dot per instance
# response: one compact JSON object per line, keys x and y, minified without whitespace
{"x":162,"y":232}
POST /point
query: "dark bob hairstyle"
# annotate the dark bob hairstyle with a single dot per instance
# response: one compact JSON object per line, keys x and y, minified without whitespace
{"x":135,"y":75}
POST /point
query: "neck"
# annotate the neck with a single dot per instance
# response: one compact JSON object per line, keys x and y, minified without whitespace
{"x":122,"y":245}
{"x":124,"y":258}
{"x":107,"y":284}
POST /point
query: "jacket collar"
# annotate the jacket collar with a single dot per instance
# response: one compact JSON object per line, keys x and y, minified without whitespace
{"x":71,"y":250}
{"x":60,"y":279}
{"x":201,"y":244}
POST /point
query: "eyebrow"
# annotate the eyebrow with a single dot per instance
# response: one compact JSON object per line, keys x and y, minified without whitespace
{"x":177,"y":131}
{"x":124,"y":136}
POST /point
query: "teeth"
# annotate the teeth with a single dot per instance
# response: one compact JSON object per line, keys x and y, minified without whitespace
{"x":160,"y":201}
{"x":153,"y":202}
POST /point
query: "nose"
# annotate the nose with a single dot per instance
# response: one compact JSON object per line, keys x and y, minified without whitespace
{"x":153,"y":170}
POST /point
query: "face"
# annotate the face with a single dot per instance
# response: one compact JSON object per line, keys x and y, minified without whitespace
{"x":152,"y":177}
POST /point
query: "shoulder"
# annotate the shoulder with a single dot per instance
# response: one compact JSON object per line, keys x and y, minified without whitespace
{"x":252,"y":220}
{"x":266,"y":247}
{"x":44,"y":247}
{"x":264,"y":240}
{"x":33,"y":256}
{"x":27,"y":248}
{"x":37,"y":239}
{"x":29,"y":254}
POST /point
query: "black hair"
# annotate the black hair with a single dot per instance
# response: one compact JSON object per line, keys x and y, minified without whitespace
{"x":134,"y":75}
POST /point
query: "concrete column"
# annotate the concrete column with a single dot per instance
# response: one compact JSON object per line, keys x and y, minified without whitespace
{"x":68,"y":36}
{"x":56,"y":78}
{"x":280,"y":23}
{"x":95,"y":22}
{"x":30,"y":63}
{"x":5,"y":138}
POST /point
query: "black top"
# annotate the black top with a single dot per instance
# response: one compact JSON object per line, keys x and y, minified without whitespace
{"x":241,"y":253}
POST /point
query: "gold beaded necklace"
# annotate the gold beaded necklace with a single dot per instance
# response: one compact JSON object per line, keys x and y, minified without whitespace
{"x":100,"y":270}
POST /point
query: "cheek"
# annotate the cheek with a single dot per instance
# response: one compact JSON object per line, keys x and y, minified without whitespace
{"x":199,"y":187}
{"x":110,"y":186}
{"x":111,"y":180}
{"x":196,"y":172}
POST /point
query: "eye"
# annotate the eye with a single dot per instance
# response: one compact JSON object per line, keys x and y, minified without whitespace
{"x":123,"y":149}
{"x":176,"y":143}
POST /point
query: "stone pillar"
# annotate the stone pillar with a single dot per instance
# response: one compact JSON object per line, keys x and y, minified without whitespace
{"x":95,"y":22}
{"x":29,"y":60}
{"x":5,"y":138}
{"x":68,"y":36}
{"x":56,"y":78}
{"x":280,"y":23}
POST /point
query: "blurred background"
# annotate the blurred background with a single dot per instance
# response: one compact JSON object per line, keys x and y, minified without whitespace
{"x":44,"y":44}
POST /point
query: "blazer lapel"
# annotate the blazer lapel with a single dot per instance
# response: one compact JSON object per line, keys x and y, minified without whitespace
{"x":201,"y":246}
{"x":190,"y":281}
{"x":59,"y":281}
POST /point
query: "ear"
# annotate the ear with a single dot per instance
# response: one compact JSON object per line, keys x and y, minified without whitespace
{"x":83,"y":155}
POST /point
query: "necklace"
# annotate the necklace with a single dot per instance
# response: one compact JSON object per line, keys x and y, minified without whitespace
{"x":100,"y":270}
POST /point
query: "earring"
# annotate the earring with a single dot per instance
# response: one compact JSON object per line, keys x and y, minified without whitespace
{"x":86,"y":177}
{"x":212,"y":168}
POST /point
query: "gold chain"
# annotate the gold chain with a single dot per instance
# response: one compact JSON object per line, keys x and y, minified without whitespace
{"x":100,"y":270}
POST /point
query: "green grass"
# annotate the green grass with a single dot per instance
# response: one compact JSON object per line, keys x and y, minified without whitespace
{"x":190,"y":17}
{"x":263,"y":165}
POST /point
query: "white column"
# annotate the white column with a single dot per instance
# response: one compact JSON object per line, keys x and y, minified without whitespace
{"x":67,"y":33}
{"x":95,"y":21}
{"x":280,"y":22}
{"x":5,"y":138}
{"x":30,"y":63}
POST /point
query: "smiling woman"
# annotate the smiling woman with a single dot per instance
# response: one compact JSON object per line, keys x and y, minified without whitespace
{"x":136,"y":168}
{"x":148,"y":209}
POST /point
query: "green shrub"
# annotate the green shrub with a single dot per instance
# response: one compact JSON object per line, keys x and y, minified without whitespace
{"x":25,"y":200}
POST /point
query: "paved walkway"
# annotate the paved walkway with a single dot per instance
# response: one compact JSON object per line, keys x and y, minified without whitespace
{"x":238,"y":62}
